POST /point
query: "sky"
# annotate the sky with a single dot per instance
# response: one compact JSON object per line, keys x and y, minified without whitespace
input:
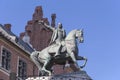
{"x":100,"y":20}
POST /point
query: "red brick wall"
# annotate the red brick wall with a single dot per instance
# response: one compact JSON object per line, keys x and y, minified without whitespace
{"x":4,"y":76}
{"x":40,"y":36}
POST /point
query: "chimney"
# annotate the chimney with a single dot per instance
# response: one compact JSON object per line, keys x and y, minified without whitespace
{"x":22,"y":35}
{"x":53,"y":17}
{"x":8,"y":26}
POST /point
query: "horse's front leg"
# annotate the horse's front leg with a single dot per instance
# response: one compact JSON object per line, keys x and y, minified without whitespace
{"x":85,"y":61}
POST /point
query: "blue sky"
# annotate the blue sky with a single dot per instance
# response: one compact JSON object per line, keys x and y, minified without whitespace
{"x":100,"y":20}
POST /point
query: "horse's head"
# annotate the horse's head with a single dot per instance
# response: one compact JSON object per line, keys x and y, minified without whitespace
{"x":79,"y":35}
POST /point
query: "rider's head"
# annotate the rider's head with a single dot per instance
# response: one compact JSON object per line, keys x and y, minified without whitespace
{"x":60,"y":25}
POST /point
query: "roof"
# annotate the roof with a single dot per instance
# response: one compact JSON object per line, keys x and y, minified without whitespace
{"x":15,"y":39}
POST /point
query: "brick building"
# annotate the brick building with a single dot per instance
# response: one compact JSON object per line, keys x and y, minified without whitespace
{"x":14,"y":55}
{"x":39,"y":34}
{"x":15,"y":51}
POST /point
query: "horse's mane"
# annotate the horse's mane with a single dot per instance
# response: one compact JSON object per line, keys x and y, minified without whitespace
{"x":71,"y":34}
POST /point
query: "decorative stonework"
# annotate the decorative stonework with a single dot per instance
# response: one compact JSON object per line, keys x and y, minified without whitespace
{"x":81,"y":75}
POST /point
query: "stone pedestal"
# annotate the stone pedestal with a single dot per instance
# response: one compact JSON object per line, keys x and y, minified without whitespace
{"x":81,"y":75}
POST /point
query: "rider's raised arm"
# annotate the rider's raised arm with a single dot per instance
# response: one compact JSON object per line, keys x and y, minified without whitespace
{"x":43,"y":23}
{"x":50,"y":27}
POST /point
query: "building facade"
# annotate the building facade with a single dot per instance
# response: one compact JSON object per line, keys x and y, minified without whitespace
{"x":14,"y":56}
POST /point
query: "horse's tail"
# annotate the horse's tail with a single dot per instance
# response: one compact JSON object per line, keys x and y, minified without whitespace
{"x":34,"y":55}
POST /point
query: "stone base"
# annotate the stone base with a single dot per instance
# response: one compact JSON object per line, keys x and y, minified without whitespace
{"x":81,"y":75}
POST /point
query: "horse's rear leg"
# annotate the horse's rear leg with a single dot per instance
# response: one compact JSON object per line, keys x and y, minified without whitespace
{"x":45,"y":65}
{"x":34,"y":57}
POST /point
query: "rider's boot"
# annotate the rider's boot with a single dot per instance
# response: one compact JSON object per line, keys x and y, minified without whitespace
{"x":58,"y":51}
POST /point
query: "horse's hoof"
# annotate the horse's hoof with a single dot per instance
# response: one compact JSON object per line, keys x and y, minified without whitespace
{"x":43,"y":73}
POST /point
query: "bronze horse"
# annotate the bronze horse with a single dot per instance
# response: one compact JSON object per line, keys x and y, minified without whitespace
{"x":44,"y":59}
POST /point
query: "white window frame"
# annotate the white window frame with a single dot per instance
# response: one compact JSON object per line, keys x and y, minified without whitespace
{"x":19,"y":58}
{"x":5,"y":71}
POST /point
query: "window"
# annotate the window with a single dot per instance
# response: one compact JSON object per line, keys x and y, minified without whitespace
{"x":6,"y":58}
{"x":22,"y":68}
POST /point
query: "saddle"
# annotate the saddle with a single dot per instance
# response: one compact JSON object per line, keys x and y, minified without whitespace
{"x":52,"y":48}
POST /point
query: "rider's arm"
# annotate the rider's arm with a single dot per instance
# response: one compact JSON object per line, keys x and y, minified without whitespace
{"x":50,"y":27}
{"x":64,"y":33}
{"x":43,"y":23}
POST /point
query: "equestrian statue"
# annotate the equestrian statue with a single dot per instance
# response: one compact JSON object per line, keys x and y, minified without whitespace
{"x":61,"y":50}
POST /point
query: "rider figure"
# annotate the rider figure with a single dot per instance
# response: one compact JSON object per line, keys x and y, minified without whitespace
{"x":58,"y":35}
